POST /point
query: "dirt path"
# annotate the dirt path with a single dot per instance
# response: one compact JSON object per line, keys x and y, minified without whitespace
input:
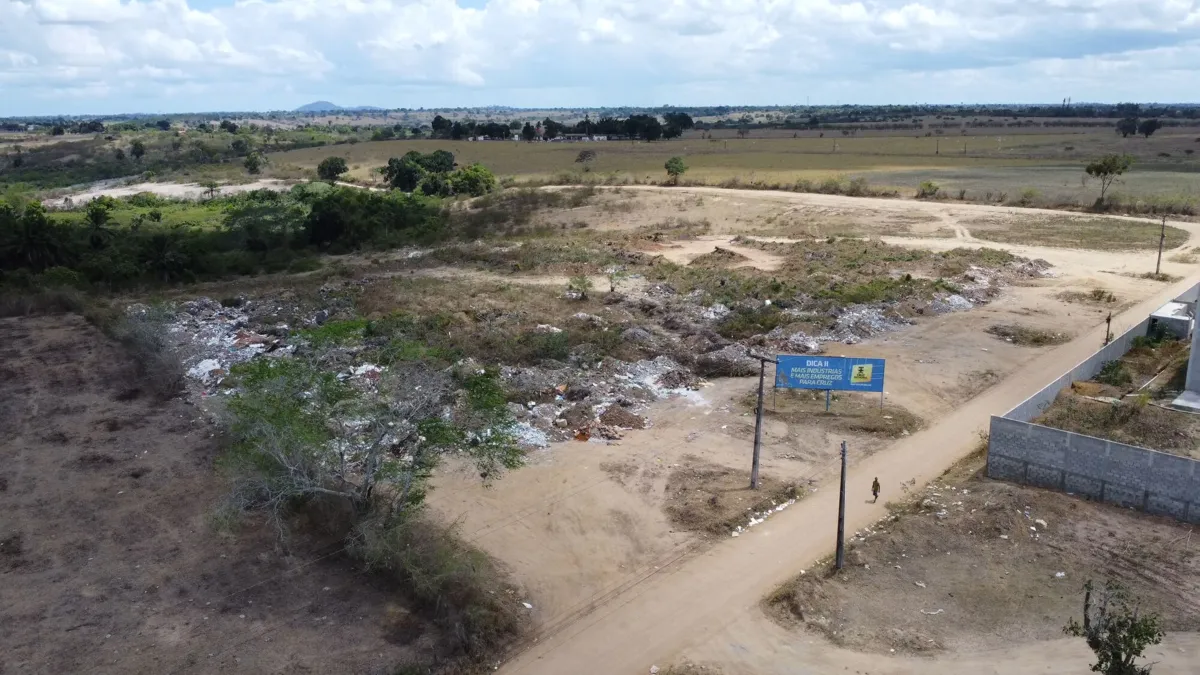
{"x":169,"y":190}
{"x":690,"y":606}
{"x":948,"y":212}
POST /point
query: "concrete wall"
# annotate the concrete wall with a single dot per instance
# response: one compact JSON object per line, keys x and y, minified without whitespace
{"x":1125,"y":475}
{"x":1192,"y":379}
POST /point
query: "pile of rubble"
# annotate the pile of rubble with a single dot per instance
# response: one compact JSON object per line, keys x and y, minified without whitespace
{"x":597,"y":403}
{"x":211,"y":338}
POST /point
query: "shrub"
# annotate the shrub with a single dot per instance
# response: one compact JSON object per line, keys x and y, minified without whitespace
{"x":144,"y":335}
{"x":927,"y":190}
{"x":462,"y":590}
{"x":580,"y":284}
{"x":1114,"y":373}
{"x":474,"y":181}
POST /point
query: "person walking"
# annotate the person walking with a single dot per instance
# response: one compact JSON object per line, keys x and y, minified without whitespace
{"x":875,"y":490}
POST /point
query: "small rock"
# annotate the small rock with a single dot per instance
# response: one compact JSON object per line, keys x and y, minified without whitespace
{"x":636,"y":334}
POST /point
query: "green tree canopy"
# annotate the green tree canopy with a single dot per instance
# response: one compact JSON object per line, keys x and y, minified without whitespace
{"x":1108,"y":168}
{"x":675,"y":168}
{"x":474,"y":180}
{"x":331,"y":168}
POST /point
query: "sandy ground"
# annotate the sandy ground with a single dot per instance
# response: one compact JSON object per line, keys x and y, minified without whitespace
{"x":169,"y":190}
{"x":604,"y":566}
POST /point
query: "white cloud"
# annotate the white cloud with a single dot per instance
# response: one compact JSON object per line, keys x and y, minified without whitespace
{"x":116,"y":55}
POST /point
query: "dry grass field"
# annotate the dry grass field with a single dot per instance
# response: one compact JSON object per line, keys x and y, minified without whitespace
{"x":1039,"y":168}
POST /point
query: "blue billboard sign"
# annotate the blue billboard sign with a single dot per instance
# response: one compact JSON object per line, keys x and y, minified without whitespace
{"x":838,"y":373}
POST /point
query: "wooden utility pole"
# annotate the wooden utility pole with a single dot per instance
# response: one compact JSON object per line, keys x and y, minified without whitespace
{"x":1162,"y":237}
{"x":841,"y":532}
{"x":758,"y":418}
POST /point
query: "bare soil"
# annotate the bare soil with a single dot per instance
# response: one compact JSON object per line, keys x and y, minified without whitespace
{"x":848,"y":412}
{"x":970,"y":564}
{"x":108,"y":561}
{"x":715,"y":499}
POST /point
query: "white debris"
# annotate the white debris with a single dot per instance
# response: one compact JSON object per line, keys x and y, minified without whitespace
{"x":527,"y":605}
{"x":653,"y":670}
{"x":368,"y":370}
{"x":933,"y":613}
{"x":1060,"y":575}
{"x":527,"y":434}
{"x":716,"y":312}
{"x":204,"y":371}
{"x":950,"y":303}
{"x":919,"y":584}
{"x":1042,"y":523}
{"x":547,"y":328}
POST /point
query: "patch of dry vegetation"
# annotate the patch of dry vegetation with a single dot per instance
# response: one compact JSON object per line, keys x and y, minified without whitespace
{"x":1152,"y":369}
{"x":512,"y":324}
{"x":720,"y":258}
{"x":1096,"y":296}
{"x":1027,"y":336}
{"x":1094,"y":233}
{"x":1133,"y":422}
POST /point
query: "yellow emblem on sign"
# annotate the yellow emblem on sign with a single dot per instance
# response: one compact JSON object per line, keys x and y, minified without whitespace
{"x":861,"y":374}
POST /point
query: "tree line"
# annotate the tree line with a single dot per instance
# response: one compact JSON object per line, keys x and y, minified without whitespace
{"x":644,"y":127}
{"x":259,"y":231}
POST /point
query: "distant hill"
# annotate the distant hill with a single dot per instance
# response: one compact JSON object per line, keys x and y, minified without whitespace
{"x":320,"y":106}
{"x":326,"y":106}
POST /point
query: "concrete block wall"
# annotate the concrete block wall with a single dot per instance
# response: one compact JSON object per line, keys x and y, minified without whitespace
{"x":1155,"y":482}
{"x":1108,"y":471}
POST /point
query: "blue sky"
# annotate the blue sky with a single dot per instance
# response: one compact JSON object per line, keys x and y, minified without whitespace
{"x":111,"y":56}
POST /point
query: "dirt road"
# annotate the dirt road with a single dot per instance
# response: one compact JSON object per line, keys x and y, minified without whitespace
{"x":690,"y":605}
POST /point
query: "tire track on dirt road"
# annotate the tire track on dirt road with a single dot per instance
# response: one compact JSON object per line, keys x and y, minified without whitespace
{"x":693,"y":603}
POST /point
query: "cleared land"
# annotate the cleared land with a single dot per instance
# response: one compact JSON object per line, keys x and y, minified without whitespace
{"x":109,"y":559}
{"x":970,"y":564}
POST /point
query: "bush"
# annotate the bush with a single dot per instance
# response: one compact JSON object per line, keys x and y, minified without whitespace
{"x":1114,"y":373}
{"x":144,"y":335}
{"x":460,"y":588}
{"x":927,"y":190}
{"x":473,"y":181}
{"x":746,"y":323}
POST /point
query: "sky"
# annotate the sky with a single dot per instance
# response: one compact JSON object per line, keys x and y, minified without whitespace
{"x":163,"y":56}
